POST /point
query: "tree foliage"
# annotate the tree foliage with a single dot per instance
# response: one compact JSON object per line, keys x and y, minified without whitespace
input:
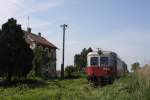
{"x":135,"y":66}
{"x":38,"y":60}
{"x":15,"y":54}
{"x":69,"y":70}
{"x":80,"y":60}
{"x":41,"y":59}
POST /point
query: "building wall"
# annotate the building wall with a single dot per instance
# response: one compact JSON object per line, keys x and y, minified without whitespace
{"x":52,"y":63}
{"x":49,"y":68}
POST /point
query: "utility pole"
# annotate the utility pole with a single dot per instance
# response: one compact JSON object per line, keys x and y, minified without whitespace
{"x":64,"y":26}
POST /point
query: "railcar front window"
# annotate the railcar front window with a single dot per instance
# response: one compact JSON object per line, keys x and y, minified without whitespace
{"x":94,"y":60}
{"x":104,"y":61}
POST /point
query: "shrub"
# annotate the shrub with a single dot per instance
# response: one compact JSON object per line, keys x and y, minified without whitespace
{"x":69,"y":70}
{"x":135,"y":66}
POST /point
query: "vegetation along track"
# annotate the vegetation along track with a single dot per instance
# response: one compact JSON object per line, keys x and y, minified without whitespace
{"x":134,"y":86}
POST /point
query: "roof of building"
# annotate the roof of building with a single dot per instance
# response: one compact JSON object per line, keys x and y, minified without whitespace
{"x":39,"y":40}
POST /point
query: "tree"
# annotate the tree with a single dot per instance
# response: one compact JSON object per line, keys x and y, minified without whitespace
{"x":38,"y":60}
{"x":84,"y":56}
{"x":80,"y":60}
{"x":135,"y":66}
{"x":100,"y":52}
{"x":15,"y":54}
{"x":77,"y":62}
{"x":69,"y":69}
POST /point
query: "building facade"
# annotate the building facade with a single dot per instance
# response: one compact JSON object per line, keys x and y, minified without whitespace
{"x":48,"y":69}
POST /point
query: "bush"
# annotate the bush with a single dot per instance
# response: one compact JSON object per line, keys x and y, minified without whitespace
{"x":135,"y":66}
{"x":69,"y":70}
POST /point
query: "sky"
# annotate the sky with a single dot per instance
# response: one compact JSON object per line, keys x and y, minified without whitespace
{"x":122,"y":26}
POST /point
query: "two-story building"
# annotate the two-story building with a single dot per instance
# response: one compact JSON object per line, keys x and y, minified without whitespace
{"x":48,"y":69}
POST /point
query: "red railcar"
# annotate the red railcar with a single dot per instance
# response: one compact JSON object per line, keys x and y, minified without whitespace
{"x":104,"y":66}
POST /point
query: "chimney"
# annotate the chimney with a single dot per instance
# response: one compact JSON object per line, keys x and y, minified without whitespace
{"x":39,"y":34}
{"x":29,"y":30}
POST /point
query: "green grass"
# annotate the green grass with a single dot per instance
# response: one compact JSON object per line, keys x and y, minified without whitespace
{"x":130,"y":87}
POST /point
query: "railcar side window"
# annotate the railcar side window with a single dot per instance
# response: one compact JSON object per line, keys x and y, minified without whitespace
{"x":104,"y":61}
{"x":94,"y":61}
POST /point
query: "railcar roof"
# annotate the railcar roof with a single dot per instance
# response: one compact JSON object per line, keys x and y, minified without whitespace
{"x":95,"y":53}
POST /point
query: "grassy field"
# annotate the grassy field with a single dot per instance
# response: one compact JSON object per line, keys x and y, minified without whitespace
{"x":131,"y":87}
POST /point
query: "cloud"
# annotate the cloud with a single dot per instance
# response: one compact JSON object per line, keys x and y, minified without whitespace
{"x":7,"y":10}
{"x":32,"y":6}
{"x":17,"y":3}
{"x":21,"y":9}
